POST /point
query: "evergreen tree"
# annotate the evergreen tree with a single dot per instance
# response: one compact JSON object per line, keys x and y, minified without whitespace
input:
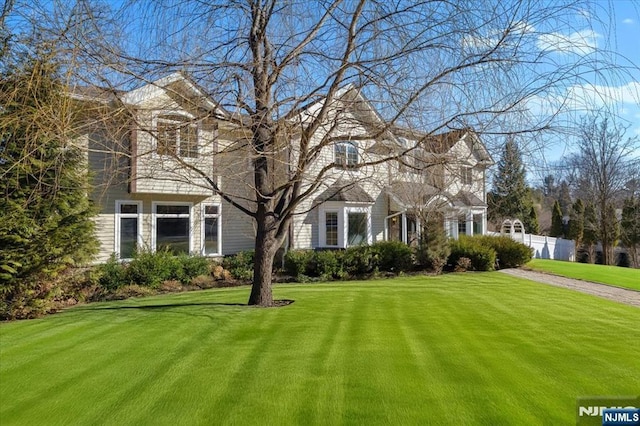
{"x":511,"y":198}
{"x":630,"y":232}
{"x":45,"y":214}
{"x":610,"y":227}
{"x":590,"y":234}
{"x":534,"y":226}
{"x":576,"y":222}
{"x":557,"y":224}
{"x":433,"y":247}
{"x":564,"y":198}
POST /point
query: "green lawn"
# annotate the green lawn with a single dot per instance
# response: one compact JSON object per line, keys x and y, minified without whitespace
{"x":612,"y":275}
{"x":481,"y":348}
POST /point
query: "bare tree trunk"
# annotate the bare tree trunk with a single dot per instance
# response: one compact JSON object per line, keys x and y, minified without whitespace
{"x":266,"y":247}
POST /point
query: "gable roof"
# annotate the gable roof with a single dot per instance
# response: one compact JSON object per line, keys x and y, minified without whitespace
{"x":442,"y":143}
{"x":411,"y":194}
{"x":346,"y":192}
{"x":177,"y":86}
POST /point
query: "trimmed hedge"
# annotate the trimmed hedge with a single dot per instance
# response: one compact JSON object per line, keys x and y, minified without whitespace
{"x":296,"y":261}
{"x":510,"y":253}
{"x":394,"y":256}
{"x":240,"y":265}
{"x":387,"y":256}
{"x":151,"y":269}
{"x":483,"y":257}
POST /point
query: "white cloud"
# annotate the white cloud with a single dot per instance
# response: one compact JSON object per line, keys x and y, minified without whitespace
{"x":495,"y":37}
{"x":592,"y":94}
{"x":581,"y":99}
{"x":580,"y":42}
{"x":628,"y":21}
{"x":584,"y":13}
{"x":524,"y":27}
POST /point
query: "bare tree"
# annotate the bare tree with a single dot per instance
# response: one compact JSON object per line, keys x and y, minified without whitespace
{"x":604,"y":160}
{"x":281,"y":75}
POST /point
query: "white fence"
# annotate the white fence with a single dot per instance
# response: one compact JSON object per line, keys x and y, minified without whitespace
{"x":546,"y":247}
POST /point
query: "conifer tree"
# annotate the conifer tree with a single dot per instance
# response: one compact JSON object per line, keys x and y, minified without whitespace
{"x":433,"y":247}
{"x":590,"y":234}
{"x":576,"y":222}
{"x":534,"y":226}
{"x":45,"y":213}
{"x":610,"y":226}
{"x":557,"y":224}
{"x":511,"y":198}
{"x":630,"y":232}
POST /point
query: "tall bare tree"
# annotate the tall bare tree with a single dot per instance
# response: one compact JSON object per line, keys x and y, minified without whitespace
{"x":604,"y":159}
{"x":281,"y":69}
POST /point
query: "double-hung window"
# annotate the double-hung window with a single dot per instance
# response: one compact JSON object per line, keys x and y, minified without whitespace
{"x":177,"y":135}
{"x":128,"y":228}
{"x":466,"y":175}
{"x":462,"y":225}
{"x":172,"y":227}
{"x":211,"y":227}
{"x":346,"y":155}
{"x":331,"y":228}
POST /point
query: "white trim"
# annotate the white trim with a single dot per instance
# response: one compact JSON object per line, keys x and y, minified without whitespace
{"x":203,"y":217}
{"x":342,"y":209}
{"x":151,"y":89}
{"x":156,"y":88}
{"x":365,"y":210}
{"x":157,"y":115}
{"x":118,"y":216}
{"x":322,"y":231}
{"x":154,"y":216}
{"x":348,"y":144}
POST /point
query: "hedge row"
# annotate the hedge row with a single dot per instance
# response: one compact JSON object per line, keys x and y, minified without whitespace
{"x":151,"y":270}
{"x":487,"y":253}
{"x":387,"y":256}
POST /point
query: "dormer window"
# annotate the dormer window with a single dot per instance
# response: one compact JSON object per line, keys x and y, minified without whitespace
{"x":346,"y":155}
{"x":177,"y":135}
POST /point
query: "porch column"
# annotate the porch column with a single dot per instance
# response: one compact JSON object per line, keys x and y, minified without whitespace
{"x":469,"y":219}
{"x":405,"y":238}
{"x":484,"y":222}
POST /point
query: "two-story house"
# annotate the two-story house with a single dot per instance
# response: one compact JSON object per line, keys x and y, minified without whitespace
{"x":158,"y":163}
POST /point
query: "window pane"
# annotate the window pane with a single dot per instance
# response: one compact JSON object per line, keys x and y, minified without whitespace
{"x":211,"y":235}
{"x":210,"y":209}
{"x":167,"y":137}
{"x":128,"y":237}
{"x":129,"y":208}
{"x":357,"y":231}
{"x":341,"y":154}
{"x":189,"y":141}
{"x":462,"y":226}
{"x":352,"y":155}
{"x":164,"y":209}
{"x":331,"y":221}
{"x":346,"y":154}
{"x":172,"y":233}
{"x":467,"y":176}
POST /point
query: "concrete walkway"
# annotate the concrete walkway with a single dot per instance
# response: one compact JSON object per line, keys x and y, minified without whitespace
{"x":622,"y":295}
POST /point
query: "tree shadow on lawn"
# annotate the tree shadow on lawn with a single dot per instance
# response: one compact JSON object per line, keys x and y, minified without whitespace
{"x":162,"y":306}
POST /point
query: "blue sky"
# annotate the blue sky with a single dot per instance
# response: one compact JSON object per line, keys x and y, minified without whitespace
{"x":627,"y":44}
{"x":610,"y":33}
